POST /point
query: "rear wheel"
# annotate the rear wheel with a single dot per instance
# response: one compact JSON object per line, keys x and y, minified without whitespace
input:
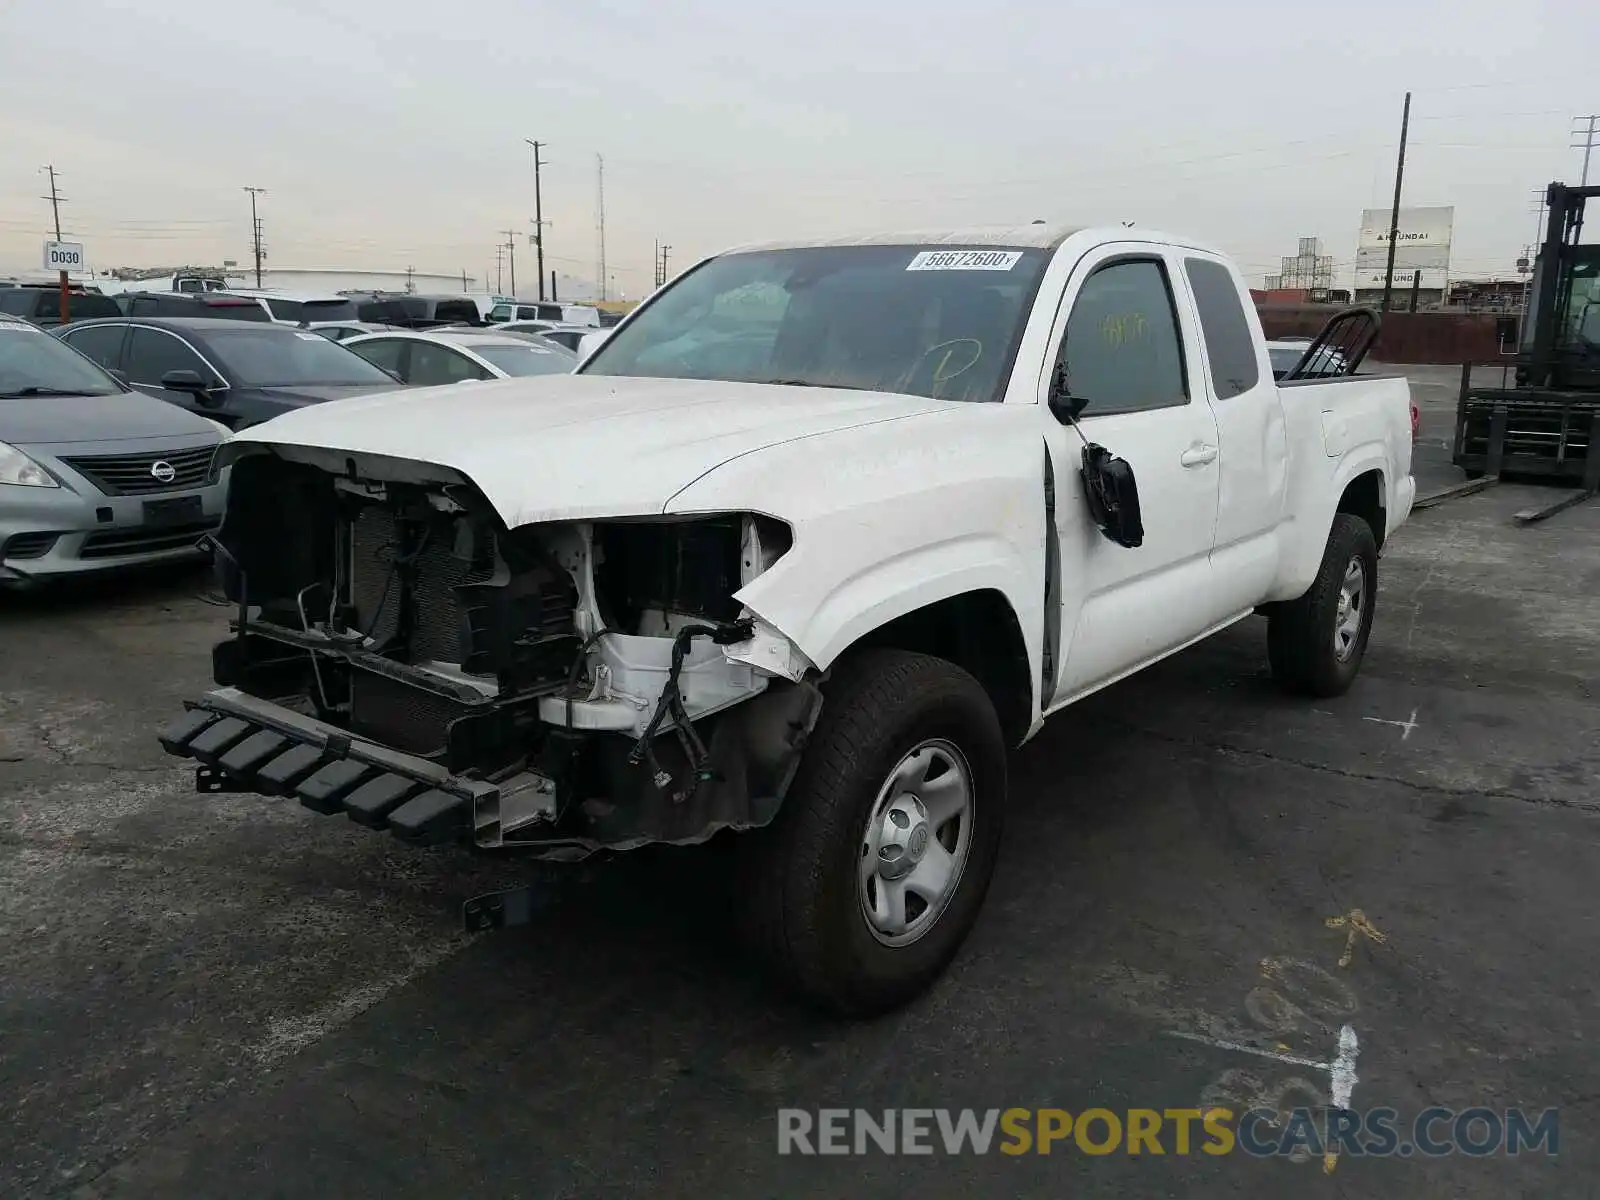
{"x":864,"y":887}
{"x":1316,"y":643}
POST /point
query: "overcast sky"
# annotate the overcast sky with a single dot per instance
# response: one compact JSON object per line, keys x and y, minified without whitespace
{"x":391,"y":134}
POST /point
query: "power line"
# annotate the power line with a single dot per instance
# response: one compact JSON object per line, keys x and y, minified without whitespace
{"x":538,"y":212}
{"x":1394,"y":218}
{"x":1587,"y":143}
{"x":600,"y":223}
{"x":255,"y":230}
{"x":511,"y":247}
{"x":56,"y":200}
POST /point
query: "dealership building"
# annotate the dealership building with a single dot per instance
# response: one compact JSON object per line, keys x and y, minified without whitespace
{"x":1421,"y":257}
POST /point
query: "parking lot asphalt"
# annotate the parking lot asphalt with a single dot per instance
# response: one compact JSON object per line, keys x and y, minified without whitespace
{"x":230,"y":996}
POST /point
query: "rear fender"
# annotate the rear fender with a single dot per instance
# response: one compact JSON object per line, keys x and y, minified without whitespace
{"x":1303,"y":539}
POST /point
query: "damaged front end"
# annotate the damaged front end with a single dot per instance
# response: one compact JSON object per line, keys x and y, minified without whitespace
{"x":401,"y":656}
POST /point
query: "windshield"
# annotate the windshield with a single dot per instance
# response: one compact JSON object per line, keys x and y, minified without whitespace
{"x":32,"y":363}
{"x":527,"y":360}
{"x":277,"y":357}
{"x":942,"y":322}
{"x":1583,"y":308}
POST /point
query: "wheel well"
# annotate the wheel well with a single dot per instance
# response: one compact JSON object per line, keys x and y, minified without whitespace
{"x":1363,"y":497}
{"x":978,"y":631}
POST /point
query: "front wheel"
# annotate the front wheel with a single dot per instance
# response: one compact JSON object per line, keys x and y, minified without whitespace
{"x":1316,"y":643}
{"x":862,"y":890}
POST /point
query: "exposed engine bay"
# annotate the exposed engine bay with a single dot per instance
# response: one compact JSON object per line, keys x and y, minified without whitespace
{"x":600,"y":674}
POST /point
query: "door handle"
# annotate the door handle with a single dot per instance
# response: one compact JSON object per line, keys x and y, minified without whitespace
{"x":1199,"y":454}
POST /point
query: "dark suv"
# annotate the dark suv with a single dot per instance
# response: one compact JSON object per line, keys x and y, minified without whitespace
{"x":407,"y":311}
{"x":42,"y":304}
{"x":185,"y":304}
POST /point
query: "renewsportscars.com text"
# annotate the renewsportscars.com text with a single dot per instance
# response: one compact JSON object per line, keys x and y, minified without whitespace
{"x":1376,"y":1132}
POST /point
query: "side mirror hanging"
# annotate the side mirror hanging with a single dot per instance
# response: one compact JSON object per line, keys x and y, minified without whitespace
{"x":1112,"y":494}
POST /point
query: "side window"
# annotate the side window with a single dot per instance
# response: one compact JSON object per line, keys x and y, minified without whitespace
{"x":1121,"y":350}
{"x":432,"y":365}
{"x":103,"y":343}
{"x":19,"y":301}
{"x":286,"y":310}
{"x":1229,"y":345}
{"x":152,"y":353}
{"x":385,"y":352}
{"x":87,"y":306}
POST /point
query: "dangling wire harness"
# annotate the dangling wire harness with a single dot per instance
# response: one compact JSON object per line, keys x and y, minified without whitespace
{"x":671,"y":705}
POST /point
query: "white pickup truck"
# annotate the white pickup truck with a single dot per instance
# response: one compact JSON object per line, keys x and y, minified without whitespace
{"x":800,"y":550}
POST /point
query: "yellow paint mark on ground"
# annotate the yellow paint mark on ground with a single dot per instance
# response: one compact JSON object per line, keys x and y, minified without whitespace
{"x":1358,"y":925}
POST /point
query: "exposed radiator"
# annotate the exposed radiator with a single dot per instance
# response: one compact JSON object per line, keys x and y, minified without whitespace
{"x":438,"y":627}
{"x":399,"y":715}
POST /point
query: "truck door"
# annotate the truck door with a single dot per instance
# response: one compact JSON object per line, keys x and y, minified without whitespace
{"x":1253,"y":472}
{"x":1127,"y":347}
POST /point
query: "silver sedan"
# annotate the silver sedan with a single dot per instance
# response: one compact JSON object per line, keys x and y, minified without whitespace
{"x":95,"y":475}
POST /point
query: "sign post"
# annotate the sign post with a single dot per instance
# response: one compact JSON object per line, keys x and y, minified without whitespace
{"x":63,"y":257}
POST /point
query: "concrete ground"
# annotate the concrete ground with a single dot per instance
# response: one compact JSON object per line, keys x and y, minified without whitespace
{"x":230,"y":996}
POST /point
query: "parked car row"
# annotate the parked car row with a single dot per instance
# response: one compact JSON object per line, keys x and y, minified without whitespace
{"x":95,"y":474}
{"x":429,"y":359}
{"x":109,"y":425}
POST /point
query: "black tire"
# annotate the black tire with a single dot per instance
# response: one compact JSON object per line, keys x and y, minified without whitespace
{"x":801,"y":874}
{"x":1472,"y":473}
{"x":1300,"y":633}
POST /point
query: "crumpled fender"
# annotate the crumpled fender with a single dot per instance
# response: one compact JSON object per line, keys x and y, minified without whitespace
{"x":891,"y":518}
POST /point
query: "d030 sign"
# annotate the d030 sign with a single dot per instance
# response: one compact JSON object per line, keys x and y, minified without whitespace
{"x":63,"y":256}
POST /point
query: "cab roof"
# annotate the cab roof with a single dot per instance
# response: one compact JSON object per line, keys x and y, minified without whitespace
{"x":1043,"y":236}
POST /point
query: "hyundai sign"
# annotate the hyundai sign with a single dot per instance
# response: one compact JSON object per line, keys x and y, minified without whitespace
{"x":63,"y":256}
{"x":1422,"y":247}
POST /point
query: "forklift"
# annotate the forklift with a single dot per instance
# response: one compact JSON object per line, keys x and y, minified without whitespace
{"x":1544,"y":423}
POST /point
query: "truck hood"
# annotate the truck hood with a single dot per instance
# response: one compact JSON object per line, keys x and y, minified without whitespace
{"x":569,"y":447}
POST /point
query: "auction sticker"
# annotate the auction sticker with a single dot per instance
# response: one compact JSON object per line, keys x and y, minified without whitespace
{"x":965,"y":260}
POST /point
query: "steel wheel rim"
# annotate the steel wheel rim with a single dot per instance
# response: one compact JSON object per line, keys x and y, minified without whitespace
{"x":915,"y":843}
{"x":1352,"y":609}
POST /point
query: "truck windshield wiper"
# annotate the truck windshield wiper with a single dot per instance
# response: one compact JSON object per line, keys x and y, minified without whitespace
{"x":48,"y":391}
{"x":807,"y":383}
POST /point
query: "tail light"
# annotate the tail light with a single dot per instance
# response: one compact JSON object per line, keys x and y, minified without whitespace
{"x":1416,"y":421}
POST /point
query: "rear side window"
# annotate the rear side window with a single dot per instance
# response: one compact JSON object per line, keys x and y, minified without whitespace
{"x":20,"y":301}
{"x":328,"y":310}
{"x":84,"y":307}
{"x":1229,"y":345}
{"x":384,"y":352}
{"x":286,"y":310}
{"x":103,"y":343}
{"x":457,"y":310}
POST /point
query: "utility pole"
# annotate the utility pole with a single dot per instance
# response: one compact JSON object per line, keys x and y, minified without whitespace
{"x":600,"y":224}
{"x":255,"y":229}
{"x":1588,"y":136}
{"x":538,"y":212}
{"x":55,"y":198}
{"x":1394,"y":216}
{"x":464,"y":279}
{"x":661,"y":277}
{"x":499,"y":267}
{"x":511,"y":248}
{"x":411,"y":280}
{"x":655,"y":264}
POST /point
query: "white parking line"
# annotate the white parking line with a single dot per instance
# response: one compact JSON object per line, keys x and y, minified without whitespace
{"x":1407,"y":725}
